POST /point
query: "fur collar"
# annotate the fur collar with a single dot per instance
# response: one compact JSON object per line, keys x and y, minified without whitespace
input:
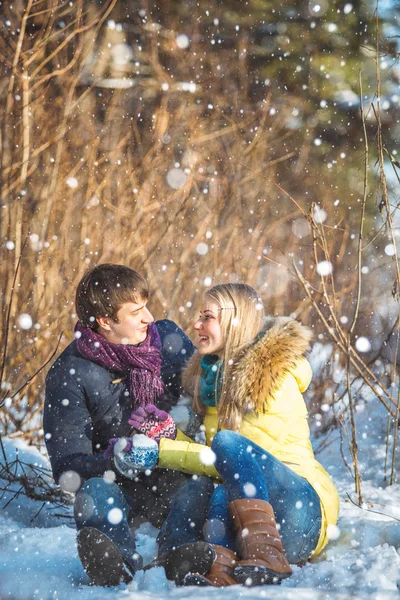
{"x":258,"y":368}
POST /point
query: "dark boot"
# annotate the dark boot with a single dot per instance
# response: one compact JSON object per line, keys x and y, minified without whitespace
{"x":258,"y":543}
{"x":107,"y":551}
{"x":106,"y":563}
{"x":180,"y":546}
{"x":186,"y":558}
{"x":220,"y":574}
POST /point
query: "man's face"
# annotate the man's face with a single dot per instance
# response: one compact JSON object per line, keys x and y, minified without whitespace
{"x":132,"y":326}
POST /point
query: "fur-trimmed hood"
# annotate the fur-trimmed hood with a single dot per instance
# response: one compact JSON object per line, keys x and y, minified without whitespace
{"x":258,"y":369}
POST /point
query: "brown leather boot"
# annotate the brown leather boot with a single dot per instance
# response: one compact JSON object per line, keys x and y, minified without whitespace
{"x":220,"y":574}
{"x":258,"y":543}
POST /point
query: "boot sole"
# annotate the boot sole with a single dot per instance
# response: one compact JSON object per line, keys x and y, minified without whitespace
{"x":198,"y":557}
{"x":101,"y":559}
{"x":194,"y":579}
{"x":258,"y":576}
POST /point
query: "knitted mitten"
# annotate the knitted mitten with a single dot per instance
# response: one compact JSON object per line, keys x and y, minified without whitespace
{"x":142,"y":455}
{"x":109,"y":451}
{"x":153,"y":422}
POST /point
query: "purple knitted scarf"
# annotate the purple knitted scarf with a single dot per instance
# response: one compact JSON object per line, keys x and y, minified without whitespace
{"x":141,"y":364}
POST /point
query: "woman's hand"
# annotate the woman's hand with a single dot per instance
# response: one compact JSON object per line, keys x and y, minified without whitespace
{"x":133,"y":455}
{"x":153,"y":422}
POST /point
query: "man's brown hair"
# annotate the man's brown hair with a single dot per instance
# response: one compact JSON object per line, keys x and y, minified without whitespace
{"x":103,"y":289}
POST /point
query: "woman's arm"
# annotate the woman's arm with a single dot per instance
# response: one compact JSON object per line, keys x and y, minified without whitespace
{"x":187,"y":457}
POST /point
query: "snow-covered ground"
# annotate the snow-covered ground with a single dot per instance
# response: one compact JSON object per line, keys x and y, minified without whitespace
{"x":39,"y":560}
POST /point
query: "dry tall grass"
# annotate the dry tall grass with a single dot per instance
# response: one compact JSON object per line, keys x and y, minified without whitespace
{"x":164,"y":161}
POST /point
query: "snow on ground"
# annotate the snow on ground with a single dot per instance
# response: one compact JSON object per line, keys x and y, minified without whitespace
{"x":39,"y":560}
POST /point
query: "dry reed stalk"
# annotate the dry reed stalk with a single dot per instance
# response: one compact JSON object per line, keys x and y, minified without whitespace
{"x":354,"y":445}
{"x":389,"y":222}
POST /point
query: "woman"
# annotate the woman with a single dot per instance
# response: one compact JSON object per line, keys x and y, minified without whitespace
{"x":247,"y":379}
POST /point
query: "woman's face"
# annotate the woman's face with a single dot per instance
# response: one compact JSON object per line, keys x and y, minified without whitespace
{"x":208,"y":328}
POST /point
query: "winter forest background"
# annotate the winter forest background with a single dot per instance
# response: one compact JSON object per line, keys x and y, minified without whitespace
{"x":201,"y":142}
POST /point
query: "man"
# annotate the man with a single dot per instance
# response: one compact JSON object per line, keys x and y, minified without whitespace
{"x":120,"y":361}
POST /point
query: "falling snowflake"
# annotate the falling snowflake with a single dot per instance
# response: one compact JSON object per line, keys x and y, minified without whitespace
{"x":249,"y":490}
{"x":115,"y":516}
{"x":320,"y":215}
{"x":324,"y":268}
{"x":72,"y":182}
{"x":207,"y":457}
{"x":390,"y":250}
{"x":333,"y":532}
{"x":70,"y":481}
{"x":176,"y":178}
{"x":363,"y":344}
{"x":202,"y":248}
{"x":182,"y":41}
{"x":25,"y":321}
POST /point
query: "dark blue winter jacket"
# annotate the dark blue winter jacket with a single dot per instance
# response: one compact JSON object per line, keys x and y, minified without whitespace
{"x":84,"y":406}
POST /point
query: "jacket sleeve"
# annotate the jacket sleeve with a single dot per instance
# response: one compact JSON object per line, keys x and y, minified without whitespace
{"x":182,"y":437}
{"x":176,"y":351}
{"x":303,"y":374}
{"x":187,"y":457}
{"x":68,"y":429}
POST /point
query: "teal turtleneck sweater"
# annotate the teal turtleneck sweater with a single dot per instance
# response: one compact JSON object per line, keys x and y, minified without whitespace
{"x":208,"y":381}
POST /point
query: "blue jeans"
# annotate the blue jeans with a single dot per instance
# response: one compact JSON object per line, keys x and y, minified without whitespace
{"x":105,"y":507}
{"x":249,"y":471}
{"x":185,"y":521}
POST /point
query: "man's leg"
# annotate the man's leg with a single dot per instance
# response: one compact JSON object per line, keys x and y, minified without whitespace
{"x":187,"y":515}
{"x":219,"y":532}
{"x":181,"y":545}
{"x":218,"y":528}
{"x":106,"y":545}
{"x":167,"y":483}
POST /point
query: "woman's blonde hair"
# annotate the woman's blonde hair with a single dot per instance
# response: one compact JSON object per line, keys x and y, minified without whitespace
{"x":241,"y":319}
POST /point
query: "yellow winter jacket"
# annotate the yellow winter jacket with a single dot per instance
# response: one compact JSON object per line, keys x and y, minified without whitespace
{"x":274,"y":365}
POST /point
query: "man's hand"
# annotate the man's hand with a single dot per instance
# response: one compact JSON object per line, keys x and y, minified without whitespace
{"x":153,"y":422}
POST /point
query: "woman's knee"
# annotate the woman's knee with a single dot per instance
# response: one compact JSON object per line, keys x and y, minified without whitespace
{"x":225,"y":441}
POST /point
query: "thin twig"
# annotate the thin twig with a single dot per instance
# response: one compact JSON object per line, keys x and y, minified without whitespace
{"x":355,"y":363}
{"x":385,"y":201}
{"x":7,"y":324}
{"x":377,"y":512}
{"x":39,"y":370}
